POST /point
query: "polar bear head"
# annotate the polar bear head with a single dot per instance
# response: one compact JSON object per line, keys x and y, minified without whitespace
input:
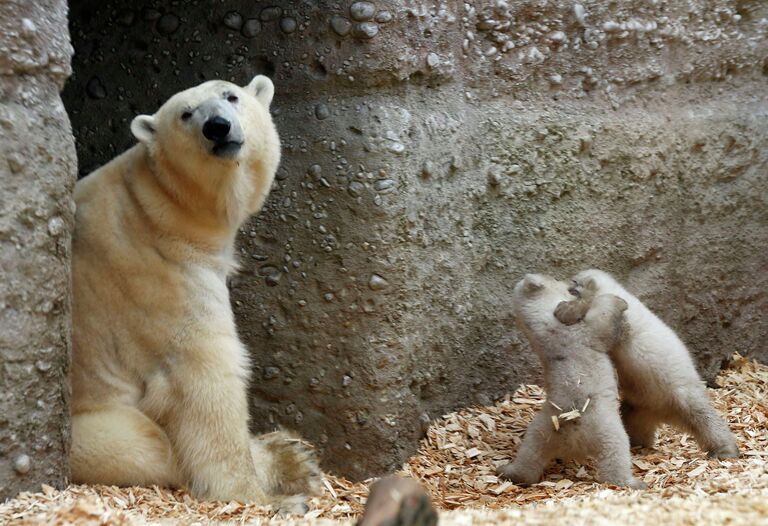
{"x":592,"y":281}
{"x":535,"y":299}
{"x":215,"y":137}
{"x":545,"y":310}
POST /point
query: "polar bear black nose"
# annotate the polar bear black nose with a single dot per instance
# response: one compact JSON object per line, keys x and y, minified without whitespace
{"x":216,"y":128}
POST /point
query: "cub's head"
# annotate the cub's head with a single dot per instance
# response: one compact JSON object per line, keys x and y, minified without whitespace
{"x":535,"y":299}
{"x":587,"y":283}
{"x":213,"y":128}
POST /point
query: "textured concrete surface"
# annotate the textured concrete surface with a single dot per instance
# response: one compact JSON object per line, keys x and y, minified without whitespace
{"x":436,"y":151}
{"x":37,"y":169}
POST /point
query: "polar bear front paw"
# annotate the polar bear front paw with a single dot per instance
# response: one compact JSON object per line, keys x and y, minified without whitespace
{"x":292,"y":464}
{"x":291,"y":505}
{"x":517,"y":475}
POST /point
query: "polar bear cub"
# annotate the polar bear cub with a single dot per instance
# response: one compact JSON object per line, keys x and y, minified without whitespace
{"x":159,"y":374}
{"x":581,"y":415}
{"x":657,"y":377}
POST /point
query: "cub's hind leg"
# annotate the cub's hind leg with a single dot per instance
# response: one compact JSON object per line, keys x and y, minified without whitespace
{"x":640,"y":423}
{"x":535,"y":453}
{"x":696,"y":415}
{"x":119,"y":445}
{"x":609,"y":443}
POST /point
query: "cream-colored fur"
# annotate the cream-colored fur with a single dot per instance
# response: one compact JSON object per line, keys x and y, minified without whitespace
{"x":578,"y":375}
{"x":657,"y":377}
{"x":159,"y":374}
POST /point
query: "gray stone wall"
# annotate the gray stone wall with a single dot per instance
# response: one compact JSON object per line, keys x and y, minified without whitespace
{"x":436,"y":151}
{"x":37,"y":169}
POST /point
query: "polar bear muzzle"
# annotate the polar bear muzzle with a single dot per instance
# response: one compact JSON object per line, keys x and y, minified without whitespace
{"x":220,"y":126}
{"x":216,"y":128}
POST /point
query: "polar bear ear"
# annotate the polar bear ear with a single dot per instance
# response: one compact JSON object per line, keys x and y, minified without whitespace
{"x":532,"y":283}
{"x":143,"y":128}
{"x":262,"y":88}
{"x":590,"y":284}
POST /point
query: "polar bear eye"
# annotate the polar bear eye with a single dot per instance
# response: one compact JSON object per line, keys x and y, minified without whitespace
{"x":232,"y":98}
{"x":186,"y":115}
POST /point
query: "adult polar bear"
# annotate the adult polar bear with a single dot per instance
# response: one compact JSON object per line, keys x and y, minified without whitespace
{"x":159,"y":374}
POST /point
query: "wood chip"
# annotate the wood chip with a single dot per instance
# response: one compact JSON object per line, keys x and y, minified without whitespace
{"x":555,"y":422}
{"x":502,"y":488}
{"x":570,"y":415}
{"x":330,"y":488}
{"x":697,"y":471}
{"x":641,"y":464}
{"x":472,"y":453}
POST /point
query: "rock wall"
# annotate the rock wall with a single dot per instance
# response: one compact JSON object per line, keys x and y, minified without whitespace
{"x":37,"y":168}
{"x":436,"y":151}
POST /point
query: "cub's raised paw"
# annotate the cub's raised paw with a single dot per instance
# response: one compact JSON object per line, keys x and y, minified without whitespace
{"x":396,"y":501}
{"x":515,"y":474}
{"x":291,"y":505}
{"x":292,"y":467}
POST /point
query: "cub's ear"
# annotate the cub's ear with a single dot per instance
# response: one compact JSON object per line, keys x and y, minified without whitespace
{"x":262,"y":88}
{"x":532,"y":283}
{"x":571,"y":312}
{"x":585,"y":289}
{"x":590,"y":284}
{"x":620,"y":303}
{"x":143,"y":128}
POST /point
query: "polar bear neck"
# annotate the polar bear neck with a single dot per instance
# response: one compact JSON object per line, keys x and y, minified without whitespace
{"x":174,"y":214}
{"x":216,"y":195}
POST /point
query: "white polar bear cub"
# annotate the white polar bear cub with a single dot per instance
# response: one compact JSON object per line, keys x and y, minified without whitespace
{"x":657,"y":377}
{"x":572,"y":338}
{"x":159,"y":374}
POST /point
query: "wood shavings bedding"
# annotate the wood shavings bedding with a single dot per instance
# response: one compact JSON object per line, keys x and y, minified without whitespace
{"x":456,"y":464}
